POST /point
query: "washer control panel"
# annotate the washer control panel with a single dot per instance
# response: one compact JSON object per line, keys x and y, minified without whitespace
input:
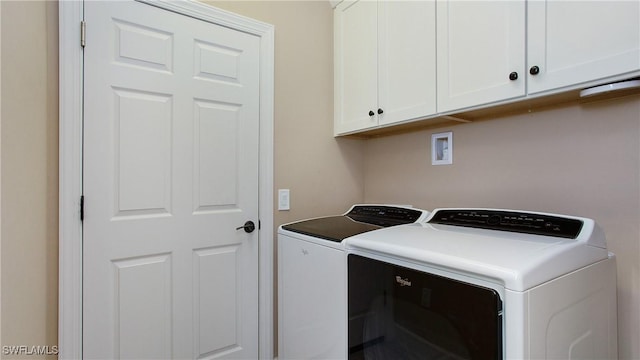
{"x":521,"y":222}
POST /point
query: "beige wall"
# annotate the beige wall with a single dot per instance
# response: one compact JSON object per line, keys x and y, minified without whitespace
{"x":574,"y":159}
{"x":29,"y":184}
{"x":582,"y":160}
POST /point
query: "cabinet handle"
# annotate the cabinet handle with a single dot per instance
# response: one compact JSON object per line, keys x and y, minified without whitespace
{"x":380,"y":111}
{"x":513,"y":76}
{"x":534,"y":70}
{"x":371,"y":113}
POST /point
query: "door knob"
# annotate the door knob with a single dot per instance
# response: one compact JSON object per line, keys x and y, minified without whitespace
{"x":513,"y":76}
{"x":380,"y":111}
{"x":371,"y":113}
{"x":534,"y":70}
{"x":248,"y":227}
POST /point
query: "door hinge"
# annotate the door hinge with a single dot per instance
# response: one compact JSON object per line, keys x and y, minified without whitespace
{"x":83,"y":33}
{"x":81,"y":207}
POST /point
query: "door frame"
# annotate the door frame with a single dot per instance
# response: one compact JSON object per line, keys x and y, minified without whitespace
{"x":70,"y":166}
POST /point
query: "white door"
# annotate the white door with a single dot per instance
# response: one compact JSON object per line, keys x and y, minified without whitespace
{"x":480,"y":52}
{"x":170,"y":172}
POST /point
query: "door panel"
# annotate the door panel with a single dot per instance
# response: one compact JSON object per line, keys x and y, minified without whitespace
{"x":215,"y":272}
{"x":215,"y":142}
{"x":142,"y":168}
{"x":170,"y":171}
{"x":143,"y":306}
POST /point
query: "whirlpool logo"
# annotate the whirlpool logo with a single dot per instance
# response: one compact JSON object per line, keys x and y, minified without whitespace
{"x":403,"y":282}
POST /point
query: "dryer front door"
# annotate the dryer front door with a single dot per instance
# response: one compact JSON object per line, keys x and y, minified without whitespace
{"x":401,"y":313}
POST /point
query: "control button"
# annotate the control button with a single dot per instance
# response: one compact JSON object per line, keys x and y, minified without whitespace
{"x":494,"y":220}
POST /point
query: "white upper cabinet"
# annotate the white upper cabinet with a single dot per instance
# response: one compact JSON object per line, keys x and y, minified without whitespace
{"x":355,"y":65}
{"x":481,"y":52}
{"x":384,"y":63}
{"x":572,"y":42}
{"x":389,"y":54}
{"x":407,"y":71}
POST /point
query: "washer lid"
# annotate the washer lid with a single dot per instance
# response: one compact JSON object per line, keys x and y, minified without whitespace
{"x":359,"y":219}
{"x":333,"y":228}
{"x":516,"y":260}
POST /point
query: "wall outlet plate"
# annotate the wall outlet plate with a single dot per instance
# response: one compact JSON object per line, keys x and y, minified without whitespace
{"x":442,"y":148}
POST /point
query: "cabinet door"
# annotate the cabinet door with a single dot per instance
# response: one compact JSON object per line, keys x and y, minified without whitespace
{"x":479,"y":45}
{"x":578,"y":41}
{"x":407,"y":71}
{"x":355,"y":65}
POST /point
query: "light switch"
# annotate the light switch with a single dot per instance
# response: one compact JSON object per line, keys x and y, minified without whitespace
{"x":283,"y":199}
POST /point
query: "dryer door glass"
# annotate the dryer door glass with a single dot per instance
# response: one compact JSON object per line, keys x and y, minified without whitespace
{"x":401,"y":313}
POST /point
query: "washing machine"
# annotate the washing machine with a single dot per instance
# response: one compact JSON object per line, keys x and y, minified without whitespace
{"x":483,"y":284}
{"x":312,"y":305}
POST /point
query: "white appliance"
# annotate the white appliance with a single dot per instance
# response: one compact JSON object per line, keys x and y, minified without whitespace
{"x":483,"y":284}
{"x":312,"y":289}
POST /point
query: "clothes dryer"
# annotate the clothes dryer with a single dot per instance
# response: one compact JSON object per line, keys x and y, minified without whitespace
{"x":483,"y":284}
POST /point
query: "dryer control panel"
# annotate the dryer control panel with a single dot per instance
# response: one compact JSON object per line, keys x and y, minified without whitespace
{"x":384,"y":216}
{"x":521,"y":222}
